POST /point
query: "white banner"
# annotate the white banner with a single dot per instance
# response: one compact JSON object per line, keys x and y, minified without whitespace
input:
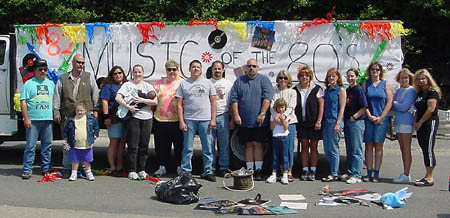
{"x":317,"y":46}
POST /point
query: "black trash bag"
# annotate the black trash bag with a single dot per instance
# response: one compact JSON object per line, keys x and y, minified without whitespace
{"x":182,"y":189}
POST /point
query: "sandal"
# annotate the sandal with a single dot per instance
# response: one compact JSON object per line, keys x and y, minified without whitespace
{"x":290,"y":178}
{"x":423,"y":182}
{"x":329,"y":178}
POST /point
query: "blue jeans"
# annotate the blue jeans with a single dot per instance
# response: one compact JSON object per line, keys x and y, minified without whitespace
{"x":354,"y":133}
{"x":222,"y":133}
{"x":280,"y":148}
{"x":44,"y":129}
{"x":291,"y":144}
{"x":188,"y":141}
{"x":331,"y":146}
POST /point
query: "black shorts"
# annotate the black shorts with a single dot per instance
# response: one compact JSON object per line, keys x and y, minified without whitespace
{"x":308,"y":133}
{"x":257,"y":134}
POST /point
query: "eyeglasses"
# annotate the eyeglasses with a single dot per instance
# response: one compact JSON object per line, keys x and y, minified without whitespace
{"x":80,"y":62}
{"x":252,"y":66}
{"x":375,"y":69}
{"x":283,"y":78}
{"x":42,"y":69}
{"x":171,"y":69}
{"x":117,"y":73}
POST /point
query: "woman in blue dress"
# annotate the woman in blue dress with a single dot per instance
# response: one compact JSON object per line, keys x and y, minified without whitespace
{"x":379,"y":99}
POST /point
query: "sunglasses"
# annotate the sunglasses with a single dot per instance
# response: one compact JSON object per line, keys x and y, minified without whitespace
{"x":252,"y":66}
{"x":283,"y":78}
{"x":171,"y":69}
{"x":375,"y":69}
{"x":117,"y":73}
{"x":80,"y":62}
{"x":42,"y":69}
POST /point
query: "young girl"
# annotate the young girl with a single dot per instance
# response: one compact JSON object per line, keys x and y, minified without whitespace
{"x":79,"y":133}
{"x":279,"y":126}
{"x":334,"y":105}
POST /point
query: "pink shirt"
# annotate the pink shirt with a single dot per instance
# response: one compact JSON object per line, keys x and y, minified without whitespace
{"x":166,"y":110}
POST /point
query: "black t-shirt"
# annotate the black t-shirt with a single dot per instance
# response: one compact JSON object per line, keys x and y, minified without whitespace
{"x":421,"y":103}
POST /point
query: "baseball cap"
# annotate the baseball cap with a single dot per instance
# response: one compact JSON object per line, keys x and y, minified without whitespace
{"x":40,"y":63}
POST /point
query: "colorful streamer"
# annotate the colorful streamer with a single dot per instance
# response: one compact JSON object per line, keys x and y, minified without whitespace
{"x":205,"y":22}
{"x":241,"y":29}
{"x":75,"y":33}
{"x":397,"y":29}
{"x":42,"y":30}
{"x":350,"y":27}
{"x":30,"y":31}
{"x":224,"y":24}
{"x":317,"y":21}
{"x":377,"y":29}
{"x":90,"y":31}
{"x":147,"y":31}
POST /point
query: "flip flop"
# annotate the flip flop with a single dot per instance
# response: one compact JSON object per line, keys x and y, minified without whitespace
{"x":423,"y":182}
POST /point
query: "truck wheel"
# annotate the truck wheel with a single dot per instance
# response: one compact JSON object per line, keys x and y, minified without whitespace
{"x":237,"y":153}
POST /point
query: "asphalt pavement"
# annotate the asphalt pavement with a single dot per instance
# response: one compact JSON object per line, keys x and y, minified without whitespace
{"x":120,"y":197}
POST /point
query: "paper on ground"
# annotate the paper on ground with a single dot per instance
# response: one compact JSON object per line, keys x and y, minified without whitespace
{"x":294,"y":206}
{"x":298,"y":197}
{"x":369,"y":197}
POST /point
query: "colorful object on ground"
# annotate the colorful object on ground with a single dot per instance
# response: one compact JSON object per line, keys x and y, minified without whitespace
{"x":101,"y":172}
{"x":50,"y":177}
{"x":152,"y":180}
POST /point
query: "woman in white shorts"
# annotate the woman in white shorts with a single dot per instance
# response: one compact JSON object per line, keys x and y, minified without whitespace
{"x":404,"y":109}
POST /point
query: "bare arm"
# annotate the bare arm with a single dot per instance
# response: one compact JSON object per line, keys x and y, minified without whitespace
{"x":180,"y":112}
{"x":265,"y":105}
{"x":213,"y":99}
{"x":106,"y":112}
{"x":26,"y":119}
{"x":388,"y":105}
{"x":342,"y":101}
{"x":318,"y":124}
{"x":235,"y":113}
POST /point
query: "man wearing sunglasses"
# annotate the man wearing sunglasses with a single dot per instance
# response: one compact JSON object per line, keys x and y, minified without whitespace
{"x":72,"y":87}
{"x":250,"y":100}
{"x":36,"y":103}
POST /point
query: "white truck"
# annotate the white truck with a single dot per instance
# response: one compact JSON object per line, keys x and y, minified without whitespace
{"x":276,"y":45}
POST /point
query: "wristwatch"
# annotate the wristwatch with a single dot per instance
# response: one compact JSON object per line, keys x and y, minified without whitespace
{"x":262,"y":113}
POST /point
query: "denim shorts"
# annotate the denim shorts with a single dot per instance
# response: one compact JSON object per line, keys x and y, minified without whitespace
{"x":403,"y":128}
{"x":116,"y":130}
{"x":375,"y":133}
{"x":81,"y":155}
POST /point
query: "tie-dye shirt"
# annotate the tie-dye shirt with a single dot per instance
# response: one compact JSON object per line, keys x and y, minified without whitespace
{"x":166,"y":110}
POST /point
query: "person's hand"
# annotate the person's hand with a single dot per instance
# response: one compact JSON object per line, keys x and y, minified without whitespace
{"x":108,"y":122}
{"x":57,"y":119}
{"x":138,"y":100}
{"x":417,"y":125}
{"x":133,"y":108}
{"x":378,"y":121}
{"x":237,"y":120}
{"x":212,"y":124}
{"x":27,"y":123}
{"x":317,"y":126}
{"x":66,"y":146}
{"x":260,"y":118}
{"x":336,"y":129}
{"x":231,"y":125}
{"x":183,"y":127}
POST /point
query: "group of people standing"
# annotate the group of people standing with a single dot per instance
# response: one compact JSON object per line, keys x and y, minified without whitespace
{"x":179,"y":109}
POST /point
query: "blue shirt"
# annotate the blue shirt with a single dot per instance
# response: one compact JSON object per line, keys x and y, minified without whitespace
{"x":331,"y":104}
{"x":38,"y":94}
{"x":376,"y":97}
{"x":403,"y":100}
{"x":249,"y":94}
{"x":109,"y":92}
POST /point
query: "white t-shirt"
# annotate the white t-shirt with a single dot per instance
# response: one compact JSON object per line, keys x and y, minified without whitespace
{"x":130,"y":89}
{"x":278,"y":130}
{"x":223,"y":88}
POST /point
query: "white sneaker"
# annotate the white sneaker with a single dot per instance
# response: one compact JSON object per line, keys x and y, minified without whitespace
{"x":161,"y":172}
{"x":272,"y":179}
{"x":402,"y":179}
{"x":133,"y":176}
{"x":90,"y":176}
{"x":284,"y":180}
{"x":143,"y":174}
{"x":353,"y":180}
{"x":73,"y":177}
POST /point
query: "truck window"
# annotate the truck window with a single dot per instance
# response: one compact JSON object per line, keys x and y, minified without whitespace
{"x":2,"y":51}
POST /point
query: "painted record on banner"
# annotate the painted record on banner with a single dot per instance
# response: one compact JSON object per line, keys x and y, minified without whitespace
{"x":28,"y":61}
{"x":217,"y":39}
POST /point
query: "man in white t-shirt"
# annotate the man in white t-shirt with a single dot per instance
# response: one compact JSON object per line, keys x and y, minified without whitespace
{"x":222,"y":130}
{"x":196,"y":98}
